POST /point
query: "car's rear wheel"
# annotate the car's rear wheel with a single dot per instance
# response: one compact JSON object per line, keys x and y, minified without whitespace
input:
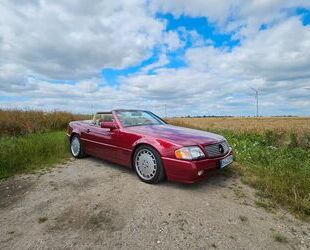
{"x":148,"y":165}
{"x":76,"y":147}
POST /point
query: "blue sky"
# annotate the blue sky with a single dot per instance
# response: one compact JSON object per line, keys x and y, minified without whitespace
{"x":195,"y":57}
{"x":201,"y":25}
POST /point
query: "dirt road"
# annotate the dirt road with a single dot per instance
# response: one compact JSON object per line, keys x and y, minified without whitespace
{"x":90,"y":204}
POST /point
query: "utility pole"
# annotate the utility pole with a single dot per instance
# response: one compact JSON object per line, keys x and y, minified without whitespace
{"x":92,"y":109}
{"x":256,"y":97}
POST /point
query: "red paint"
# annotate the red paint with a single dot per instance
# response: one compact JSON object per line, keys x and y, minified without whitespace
{"x":111,"y":141}
{"x":109,"y":125}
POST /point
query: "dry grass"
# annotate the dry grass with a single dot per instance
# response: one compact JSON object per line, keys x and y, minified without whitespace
{"x":19,"y":122}
{"x":250,"y":124}
{"x":279,"y":130}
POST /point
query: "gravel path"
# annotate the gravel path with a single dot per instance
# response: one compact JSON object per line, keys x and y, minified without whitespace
{"x":90,"y":204}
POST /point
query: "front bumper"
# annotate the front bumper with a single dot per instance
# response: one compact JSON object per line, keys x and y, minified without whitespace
{"x":187,"y":171}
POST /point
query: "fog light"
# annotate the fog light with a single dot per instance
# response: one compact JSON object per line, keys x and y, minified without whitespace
{"x":200,"y":172}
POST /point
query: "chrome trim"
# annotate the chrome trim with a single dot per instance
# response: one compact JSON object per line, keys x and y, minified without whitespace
{"x":216,"y":150}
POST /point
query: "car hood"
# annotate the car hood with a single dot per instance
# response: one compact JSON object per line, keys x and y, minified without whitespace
{"x":178,"y":135}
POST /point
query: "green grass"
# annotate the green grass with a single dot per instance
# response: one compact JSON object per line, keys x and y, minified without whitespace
{"x":281,"y":173}
{"x":31,"y":152}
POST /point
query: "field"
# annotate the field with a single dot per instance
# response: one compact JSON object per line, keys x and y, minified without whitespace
{"x":272,"y":154}
{"x":19,"y":122}
{"x":279,"y":130}
{"x":32,"y":139}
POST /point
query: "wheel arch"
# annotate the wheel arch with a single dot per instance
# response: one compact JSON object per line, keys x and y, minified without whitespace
{"x":73,"y":134}
{"x":136,"y":146}
{"x":155,"y":149}
{"x":82,"y":151}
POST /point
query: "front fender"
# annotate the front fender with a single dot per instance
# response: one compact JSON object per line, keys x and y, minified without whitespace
{"x":164,"y":148}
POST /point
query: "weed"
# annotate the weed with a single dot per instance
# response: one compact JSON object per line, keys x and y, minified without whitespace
{"x":264,"y":205}
{"x":239,"y":193}
{"x":280,"y":238}
{"x":42,"y":219}
{"x":243,"y":218}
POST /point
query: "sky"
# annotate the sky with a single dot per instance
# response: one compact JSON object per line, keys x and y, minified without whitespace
{"x":198,"y":57}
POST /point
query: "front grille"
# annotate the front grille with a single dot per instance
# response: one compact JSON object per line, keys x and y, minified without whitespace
{"x":217,"y":150}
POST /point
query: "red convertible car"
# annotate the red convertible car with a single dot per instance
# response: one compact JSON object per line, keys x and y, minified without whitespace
{"x":154,"y":149}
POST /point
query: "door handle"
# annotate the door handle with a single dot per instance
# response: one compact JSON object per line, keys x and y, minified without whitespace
{"x":87,"y":130}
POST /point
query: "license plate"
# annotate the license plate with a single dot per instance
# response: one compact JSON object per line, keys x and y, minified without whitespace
{"x":226,"y":161}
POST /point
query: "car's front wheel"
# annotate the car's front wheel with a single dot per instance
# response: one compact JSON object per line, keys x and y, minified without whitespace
{"x":148,"y":165}
{"x":76,"y":147}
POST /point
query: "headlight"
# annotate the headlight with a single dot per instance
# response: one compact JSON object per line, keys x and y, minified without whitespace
{"x":189,"y":153}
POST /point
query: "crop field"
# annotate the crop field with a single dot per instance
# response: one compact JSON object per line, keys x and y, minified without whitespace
{"x":281,"y":130}
{"x":271,"y":154}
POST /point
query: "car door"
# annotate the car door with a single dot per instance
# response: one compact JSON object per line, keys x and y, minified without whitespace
{"x":104,"y":143}
{"x":88,"y":139}
{"x":101,"y":142}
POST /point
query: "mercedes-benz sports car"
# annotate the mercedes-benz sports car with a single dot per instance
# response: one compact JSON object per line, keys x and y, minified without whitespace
{"x":154,"y":149}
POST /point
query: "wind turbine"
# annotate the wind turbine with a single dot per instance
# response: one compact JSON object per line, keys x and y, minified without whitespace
{"x":256,"y":97}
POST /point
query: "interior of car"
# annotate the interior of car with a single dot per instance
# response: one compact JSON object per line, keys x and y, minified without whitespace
{"x":102,"y":117}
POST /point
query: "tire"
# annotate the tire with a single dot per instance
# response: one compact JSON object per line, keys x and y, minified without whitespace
{"x":76,"y":147}
{"x":148,"y":165}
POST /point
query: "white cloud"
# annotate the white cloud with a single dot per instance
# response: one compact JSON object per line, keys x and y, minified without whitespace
{"x":172,"y":40}
{"x":162,"y":61}
{"x":279,"y":53}
{"x":74,"y":40}
{"x":274,"y":60}
{"x":243,"y":16}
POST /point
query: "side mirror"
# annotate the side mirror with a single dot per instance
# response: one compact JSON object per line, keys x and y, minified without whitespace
{"x":110,"y":125}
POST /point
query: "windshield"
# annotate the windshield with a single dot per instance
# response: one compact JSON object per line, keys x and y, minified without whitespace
{"x":138,"y":118}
